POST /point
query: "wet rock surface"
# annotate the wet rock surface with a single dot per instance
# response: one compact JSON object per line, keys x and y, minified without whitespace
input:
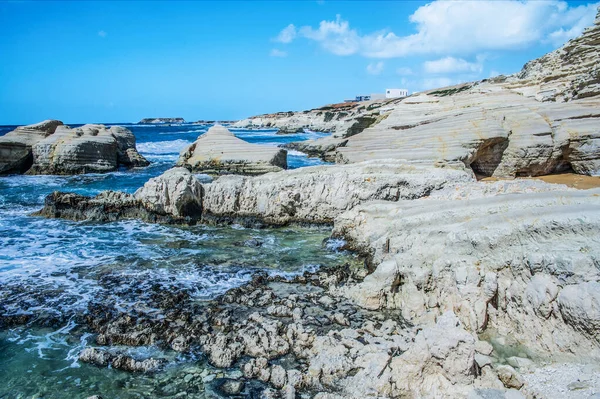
{"x":284,"y":337}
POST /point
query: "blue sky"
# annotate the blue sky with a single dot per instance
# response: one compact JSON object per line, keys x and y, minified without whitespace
{"x":123,"y":61}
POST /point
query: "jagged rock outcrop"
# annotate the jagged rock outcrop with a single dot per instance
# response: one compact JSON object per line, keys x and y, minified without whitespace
{"x":174,"y":197}
{"x":518,"y":264}
{"x":85,"y":149}
{"x":313,"y":195}
{"x":15,"y":146}
{"x":218,"y":151}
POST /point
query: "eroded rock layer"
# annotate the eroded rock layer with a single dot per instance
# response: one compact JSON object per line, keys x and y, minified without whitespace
{"x":520,"y":264}
{"x":218,"y":151}
{"x":86,"y":149}
{"x":15,"y":146}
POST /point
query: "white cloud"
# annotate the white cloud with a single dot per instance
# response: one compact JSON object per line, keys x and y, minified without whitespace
{"x":287,"y":34}
{"x":460,"y":28}
{"x":278,"y":53}
{"x":404,"y":71}
{"x":494,"y":73}
{"x":375,"y":68}
{"x":335,"y":36}
{"x":577,"y":19}
{"x":451,"y":65}
{"x":102,"y":33}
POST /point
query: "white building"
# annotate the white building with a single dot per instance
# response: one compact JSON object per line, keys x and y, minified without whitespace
{"x":396,"y":93}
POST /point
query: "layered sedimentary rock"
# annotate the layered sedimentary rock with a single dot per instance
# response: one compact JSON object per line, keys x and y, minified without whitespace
{"x":518,"y":264}
{"x":571,"y":72}
{"x":86,"y":149}
{"x":318,"y":194}
{"x":342,"y":118}
{"x":218,"y":151}
{"x":495,"y":131}
{"x":15,"y":147}
{"x":313,"y":195}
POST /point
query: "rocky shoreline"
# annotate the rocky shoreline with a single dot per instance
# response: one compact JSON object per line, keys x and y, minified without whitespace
{"x":468,"y":289}
{"x":438,"y":291}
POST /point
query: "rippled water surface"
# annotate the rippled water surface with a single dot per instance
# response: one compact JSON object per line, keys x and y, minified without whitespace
{"x":52,"y":270}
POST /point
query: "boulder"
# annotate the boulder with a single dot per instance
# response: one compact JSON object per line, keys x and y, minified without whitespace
{"x":218,"y":151}
{"x":86,"y":149}
{"x":176,"y":192}
{"x":580,"y":307}
{"x":15,"y":146}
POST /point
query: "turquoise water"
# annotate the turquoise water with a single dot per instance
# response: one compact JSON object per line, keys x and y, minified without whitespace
{"x":51,"y":271}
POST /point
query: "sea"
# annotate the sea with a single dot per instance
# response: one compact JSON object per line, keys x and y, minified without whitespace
{"x":52,"y":271}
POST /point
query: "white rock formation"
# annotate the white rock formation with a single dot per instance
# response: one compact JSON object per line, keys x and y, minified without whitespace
{"x":495,"y":131}
{"x":15,"y":146}
{"x":176,"y":192}
{"x":89,"y":148}
{"x":218,"y":151}
{"x":524,"y":265}
{"x":318,"y":194}
{"x":342,"y":118}
{"x":571,"y":72}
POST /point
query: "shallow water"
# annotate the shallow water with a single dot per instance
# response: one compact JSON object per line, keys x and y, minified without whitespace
{"x":51,"y":271}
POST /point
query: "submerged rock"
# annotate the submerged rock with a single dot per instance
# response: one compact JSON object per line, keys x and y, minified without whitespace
{"x":104,"y":358}
{"x":218,"y":151}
